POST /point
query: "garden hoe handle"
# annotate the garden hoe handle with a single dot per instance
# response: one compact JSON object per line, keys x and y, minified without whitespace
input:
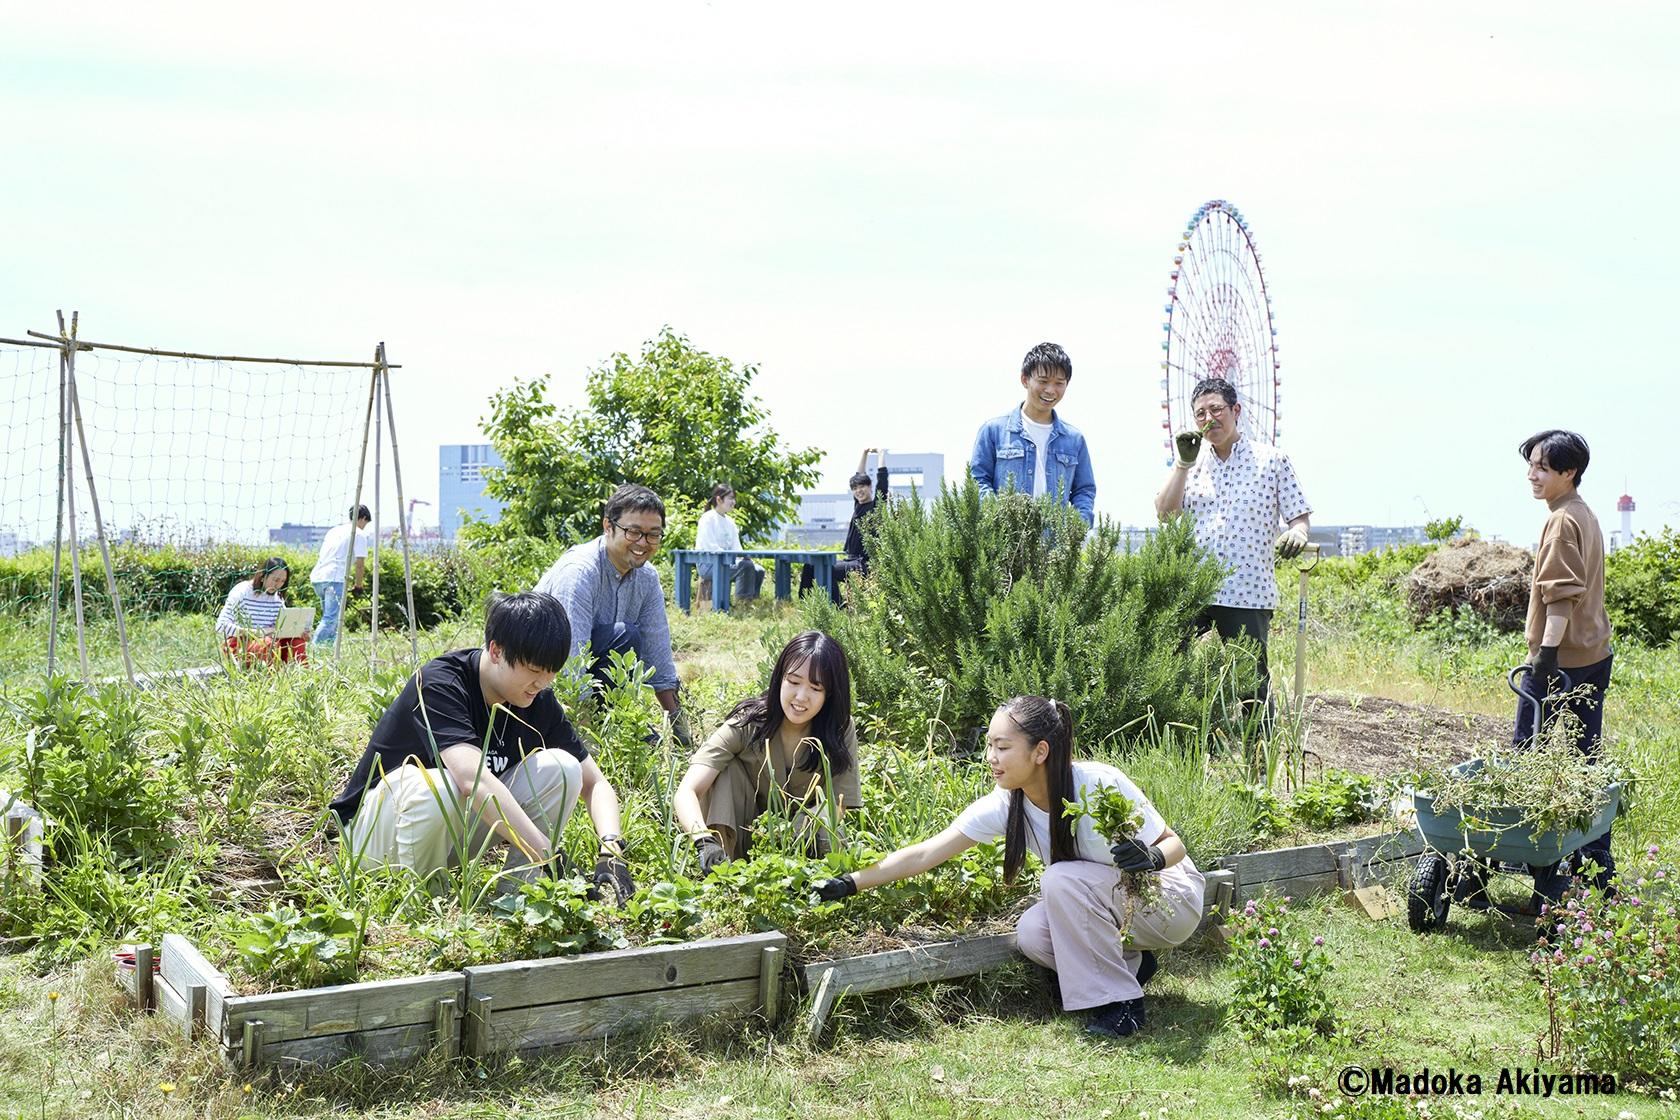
{"x":1301,"y":631}
{"x":1511,"y":679}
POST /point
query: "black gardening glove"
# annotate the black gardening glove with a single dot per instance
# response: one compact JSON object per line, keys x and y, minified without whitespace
{"x":711,"y":853}
{"x":612,"y":871}
{"x":1135,"y":855}
{"x":1543,"y":667}
{"x":1187,"y":443}
{"x":833,"y":890}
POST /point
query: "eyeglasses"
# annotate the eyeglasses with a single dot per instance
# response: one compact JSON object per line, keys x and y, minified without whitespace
{"x":1211,"y":411}
{"x":637,"y":536}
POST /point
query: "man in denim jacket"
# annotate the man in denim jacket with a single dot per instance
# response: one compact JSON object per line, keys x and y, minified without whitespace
{"x":1031,"y":445}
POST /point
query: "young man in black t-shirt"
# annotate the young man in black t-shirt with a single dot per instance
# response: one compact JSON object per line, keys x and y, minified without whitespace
{"x":475,"y":748}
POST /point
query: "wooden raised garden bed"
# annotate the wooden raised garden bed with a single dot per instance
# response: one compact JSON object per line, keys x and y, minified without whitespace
{"x":491,"y":1009}
{"x":526,"y":1006}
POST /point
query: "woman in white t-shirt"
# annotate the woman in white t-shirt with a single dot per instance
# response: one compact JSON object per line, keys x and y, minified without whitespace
{"x":718,"y":532}
{"x":246,"y":622}
{"x":1075,"y":928}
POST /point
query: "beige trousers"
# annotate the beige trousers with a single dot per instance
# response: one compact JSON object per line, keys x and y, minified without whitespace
{"x":1074,"y":928}
{"x":414,"y":818}
{"x":732,"y":804}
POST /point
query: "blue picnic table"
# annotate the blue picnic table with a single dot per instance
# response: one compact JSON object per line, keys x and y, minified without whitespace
{"x":689,"y":561}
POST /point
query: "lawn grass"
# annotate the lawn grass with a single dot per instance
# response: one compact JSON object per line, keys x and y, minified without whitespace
{"x":1463,"y":998}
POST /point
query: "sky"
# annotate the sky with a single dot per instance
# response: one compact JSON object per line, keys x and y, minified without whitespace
{"x":1462,"y":210}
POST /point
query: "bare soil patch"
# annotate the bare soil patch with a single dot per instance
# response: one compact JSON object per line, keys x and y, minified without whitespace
{"x":1382,"y":738}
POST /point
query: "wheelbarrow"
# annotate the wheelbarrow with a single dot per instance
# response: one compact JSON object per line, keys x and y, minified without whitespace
{"x":1461,"y":854}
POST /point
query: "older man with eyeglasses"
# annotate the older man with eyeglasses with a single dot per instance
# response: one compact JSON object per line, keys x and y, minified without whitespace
{"x":1239,"y":496}
{"x":614,"y":600}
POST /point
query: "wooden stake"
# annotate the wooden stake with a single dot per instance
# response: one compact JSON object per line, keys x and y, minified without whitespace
{"x":355,"y":502}
{"x":251,"y":1043}
{"x":200,"y":357}
{"x":402,"y":515}
{"x":145,"y":994}
{"x":99,"y":532}
{"x":476,"y":1034}
{"x":443,"y":1028}
{"x":378,"y":422}
{"x":70,"y":497}
{"x":770,"y":981}
{"x":58,"y":531}
{"x":821,"y":1005}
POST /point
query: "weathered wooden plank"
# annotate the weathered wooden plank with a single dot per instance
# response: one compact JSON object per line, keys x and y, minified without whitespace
{"x":172,"y":1005}
{"x":1255,"y":868}
{"x":387,"y":1046}
{"x":531,"y":1028}
{"x":1296,"y":886}
{"x":185,"y":967}
{"x":920,"y":964}
{"x":344,"y":1008}
{"x":657,"y":968}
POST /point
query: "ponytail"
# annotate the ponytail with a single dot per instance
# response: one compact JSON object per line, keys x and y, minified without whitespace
{"x":1048,"y":721}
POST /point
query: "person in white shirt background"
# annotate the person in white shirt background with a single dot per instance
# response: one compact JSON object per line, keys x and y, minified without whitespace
{"x":330,"y":570}
{"x":717,"y":531}
{"x":1240,"y":495}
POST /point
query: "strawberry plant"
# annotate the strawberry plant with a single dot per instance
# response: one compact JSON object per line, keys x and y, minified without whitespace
{"x":555,"y":917}
{"x":287,"y":947}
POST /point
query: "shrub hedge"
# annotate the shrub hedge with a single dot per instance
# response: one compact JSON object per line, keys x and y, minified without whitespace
{"x":152,"y":580}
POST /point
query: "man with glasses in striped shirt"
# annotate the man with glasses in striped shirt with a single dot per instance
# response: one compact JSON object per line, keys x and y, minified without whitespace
{"x":615,"y":601}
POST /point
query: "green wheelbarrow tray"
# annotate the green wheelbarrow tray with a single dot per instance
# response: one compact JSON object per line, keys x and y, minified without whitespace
{"x":1508,"y":840}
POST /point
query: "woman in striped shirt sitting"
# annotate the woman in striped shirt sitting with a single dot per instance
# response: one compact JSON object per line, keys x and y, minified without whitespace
{"x":246,"y":623}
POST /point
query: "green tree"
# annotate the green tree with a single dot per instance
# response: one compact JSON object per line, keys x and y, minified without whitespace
{"x":1443,"y":528}
{"x":673,"y":418}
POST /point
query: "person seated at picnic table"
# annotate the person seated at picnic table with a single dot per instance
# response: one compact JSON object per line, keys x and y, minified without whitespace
{"x":1085,"y":926}
{"x":477,"y":749}
{"x":855,"y":552}
{"x":246,"y":622}
{"x":717,"y":532}
{"x":795,"y":743}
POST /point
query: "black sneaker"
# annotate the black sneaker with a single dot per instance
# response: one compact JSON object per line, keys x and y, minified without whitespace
{"x":1117,"y":1020}
{"x":1147,"y":968}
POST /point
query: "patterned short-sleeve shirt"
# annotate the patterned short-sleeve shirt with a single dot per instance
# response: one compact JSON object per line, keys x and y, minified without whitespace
{"x":1240,"y":504}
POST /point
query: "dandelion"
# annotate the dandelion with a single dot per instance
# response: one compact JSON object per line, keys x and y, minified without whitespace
{"x":53,"y":996}
{"x":167,"y":1088}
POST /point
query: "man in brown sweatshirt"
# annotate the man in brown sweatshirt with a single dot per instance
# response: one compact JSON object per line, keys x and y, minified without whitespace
{"x":1568,"y":628}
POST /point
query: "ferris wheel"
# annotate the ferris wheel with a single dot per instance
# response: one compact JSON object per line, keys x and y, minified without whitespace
{"x":1219,"y":324}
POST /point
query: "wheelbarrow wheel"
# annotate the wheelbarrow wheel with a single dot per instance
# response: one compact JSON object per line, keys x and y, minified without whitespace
{"x":1427,"y":900}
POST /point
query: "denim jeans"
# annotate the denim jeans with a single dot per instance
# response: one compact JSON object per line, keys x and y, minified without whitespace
{"x":332,"y":602}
